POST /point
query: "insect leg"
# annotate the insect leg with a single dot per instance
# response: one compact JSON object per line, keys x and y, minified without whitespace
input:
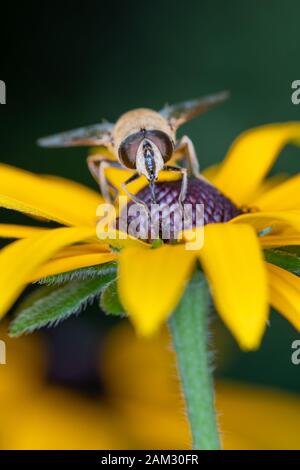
{"x":187,"y":148}
{"x":135,"y":199}
{"x":97,"y":165}
{"x":184,"y":182}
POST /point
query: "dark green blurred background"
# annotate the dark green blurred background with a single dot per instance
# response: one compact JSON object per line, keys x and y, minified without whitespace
{"x":68,"y":64}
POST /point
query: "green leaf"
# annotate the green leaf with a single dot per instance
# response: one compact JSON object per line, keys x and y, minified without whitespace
{"x":80,"y":274}
{"x":58,"y":304}
{"x":293,"y":249}
{"x":110,"y":302}
{"x":288,"y":260}
{"x":33,"y":297}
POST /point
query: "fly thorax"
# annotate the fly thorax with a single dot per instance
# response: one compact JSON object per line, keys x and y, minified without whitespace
{"x":149,"y":161}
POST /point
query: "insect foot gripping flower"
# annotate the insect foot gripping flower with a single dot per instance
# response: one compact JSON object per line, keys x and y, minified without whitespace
{"x":250,"y":259}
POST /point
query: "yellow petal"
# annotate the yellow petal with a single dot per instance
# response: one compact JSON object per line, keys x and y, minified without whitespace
{"x":82,"y":249}
{"x":257,"y":418}
{"x":284,"y":196}
{"x":117,"y":176}
{"x":233,"y":262}
{"x":284,"y":238}
{"x":19,"y":260}
{"x":103,"y":152}
{"x":285,"y":293}
{"x":119,"y":239}
{"x":52,"y":198}
{"x":211,"y":172}
{"x":19,"y":231}
{"x":275,"y":219}
{"x":267,"y":185}
{"x":63,"y":265}
{"x":151,"y":282}
{"x":250,"y":158}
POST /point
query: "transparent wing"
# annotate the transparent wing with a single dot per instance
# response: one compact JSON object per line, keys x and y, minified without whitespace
{"x":97,"y":134}
{"x":180,"y":113}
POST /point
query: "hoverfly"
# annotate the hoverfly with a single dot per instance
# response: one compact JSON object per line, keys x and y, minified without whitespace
{"x":142,"y":140}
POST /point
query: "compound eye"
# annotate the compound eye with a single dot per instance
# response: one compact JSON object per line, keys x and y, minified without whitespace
{"x":163,"y":142}
{"x":128,"y":149}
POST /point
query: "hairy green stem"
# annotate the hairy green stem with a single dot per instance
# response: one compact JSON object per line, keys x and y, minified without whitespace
{"x":189,"y":331}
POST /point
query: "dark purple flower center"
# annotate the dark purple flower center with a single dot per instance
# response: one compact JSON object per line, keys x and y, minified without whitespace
{"x":216,"y":207}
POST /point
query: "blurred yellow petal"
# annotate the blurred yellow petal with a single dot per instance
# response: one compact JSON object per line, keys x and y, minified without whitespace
{"x":211,"y":172}
{"x":119,"y":239}
{"x":137,"y":378}
{"x":267,"y":185}
{"x":19,"y":260}
{"x":233,"y":262}
{"x":37,"y":414}
{"x":144,"y":388}
{"x":284,"y":196}
{"x":274,"y":219}
{"x":19,"y":231}
{"x":82,"y":249}
{"x":250,"y":158}
{"x":285,"y":293}
{"x":63,"y":265}
{"x":52,"y":198}
{"x":257,"y":418}
{"x":282,"y":238}
{"x":103,"y":152}
{"x":25,"y":366}
{"x":58,"y":419}
{"x":151,"y":282}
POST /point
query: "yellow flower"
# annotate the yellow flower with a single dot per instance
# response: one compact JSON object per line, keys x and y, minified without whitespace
{"x":151,"y":281}
{"x":142,"y":407}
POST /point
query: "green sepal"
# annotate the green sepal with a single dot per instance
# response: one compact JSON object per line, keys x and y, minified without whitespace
{"x":110,"y":302}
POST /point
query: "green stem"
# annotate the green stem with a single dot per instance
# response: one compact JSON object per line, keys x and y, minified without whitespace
{"x":189,"y":331}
